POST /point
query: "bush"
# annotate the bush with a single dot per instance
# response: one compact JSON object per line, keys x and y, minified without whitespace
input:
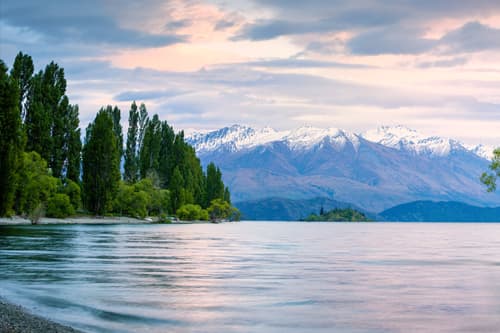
{"x":59,"y":206}
{"x":73,"y":191}
{"x":192,"y":212}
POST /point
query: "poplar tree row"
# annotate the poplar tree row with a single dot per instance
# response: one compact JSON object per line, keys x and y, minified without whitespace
{"x":43,"y":165}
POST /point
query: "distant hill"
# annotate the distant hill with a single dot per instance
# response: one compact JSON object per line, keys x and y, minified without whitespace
{"x":441,"y":211}
{"x":281,"y":209}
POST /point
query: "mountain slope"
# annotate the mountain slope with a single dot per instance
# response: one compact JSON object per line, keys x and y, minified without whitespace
{"x":429,"y":211}
{"x":395,"y":166}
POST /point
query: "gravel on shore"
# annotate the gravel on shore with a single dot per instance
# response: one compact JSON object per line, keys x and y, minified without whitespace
{"x":16,"y":319}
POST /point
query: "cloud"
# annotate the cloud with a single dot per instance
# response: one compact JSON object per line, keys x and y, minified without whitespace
{"x":390,"y":41}
{"x":472,"y":37}
{"x":301,"y":63}
{"x":224,"y":24}
{"x":73,"y":22}
{"x":144,"y":95}
{"x":450,"y":62}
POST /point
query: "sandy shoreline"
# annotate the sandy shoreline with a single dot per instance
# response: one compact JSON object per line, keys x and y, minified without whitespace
{"x":16,"y":319}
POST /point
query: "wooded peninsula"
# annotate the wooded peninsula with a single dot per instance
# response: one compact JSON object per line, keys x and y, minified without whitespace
{"x":46,"y":169}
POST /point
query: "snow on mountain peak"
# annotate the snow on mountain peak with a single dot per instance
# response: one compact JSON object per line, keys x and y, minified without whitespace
{"x":238,"y":137}
{"x":404,"y":138}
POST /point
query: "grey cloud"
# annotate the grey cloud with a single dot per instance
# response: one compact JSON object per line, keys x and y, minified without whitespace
{"x":350,"y":19}
{"x":80,"y":22}
{"x":224,"y":24}
{"x":390,"y":41}
{"x":144,"y":95}
{"x":302,"y":63}
{"x":451,"y":62}
{"x":472,"y":37}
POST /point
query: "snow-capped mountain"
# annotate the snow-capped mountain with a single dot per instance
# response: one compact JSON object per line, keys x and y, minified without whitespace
{"x":237,"y":137}
{"x":375,"y":170}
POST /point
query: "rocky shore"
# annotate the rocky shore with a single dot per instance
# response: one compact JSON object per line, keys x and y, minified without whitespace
{"x":16,"y":319}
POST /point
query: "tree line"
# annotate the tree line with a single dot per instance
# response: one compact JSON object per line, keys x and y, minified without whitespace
{"x":46,"y":169}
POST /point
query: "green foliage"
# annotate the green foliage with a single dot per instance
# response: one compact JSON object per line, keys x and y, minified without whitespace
{"x":36,"y":184}
{"x":490,"y":179}
{"x":190,"y":212}
{"x":214,"y":185}
{"x":11,"y":140}
{"x":150,"y":149}
{"x":73,"y":191}
{"x":176,"y":187}
{"x":219,"y":209}
{"x":101,"y":164}
{"x":162,"y":171}
{"x":51,"y":123}
{"x":141,"y":199}
{"x":339,"y":215}
{"x":131,"y":167}
{"x":22,"y":72}
{"x":115,"y":114}
{"x":59,"y":206}
{"x":73,"y":143}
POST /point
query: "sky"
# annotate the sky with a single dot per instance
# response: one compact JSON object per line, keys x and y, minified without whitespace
{"x":431,"y":65}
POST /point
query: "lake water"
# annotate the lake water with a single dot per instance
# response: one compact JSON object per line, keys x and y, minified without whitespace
{"x":257,"y":277}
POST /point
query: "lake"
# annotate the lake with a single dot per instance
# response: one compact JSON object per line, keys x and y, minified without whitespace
{"x":257,"y":277}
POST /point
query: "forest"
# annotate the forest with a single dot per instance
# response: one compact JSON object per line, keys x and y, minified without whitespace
{"x":46,"y":169}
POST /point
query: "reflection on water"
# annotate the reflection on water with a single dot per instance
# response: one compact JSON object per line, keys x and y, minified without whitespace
{"x":257,"y":277}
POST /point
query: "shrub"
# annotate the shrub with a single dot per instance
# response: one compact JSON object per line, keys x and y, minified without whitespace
{"x":59,"y":206}
{"x":192,"y":212}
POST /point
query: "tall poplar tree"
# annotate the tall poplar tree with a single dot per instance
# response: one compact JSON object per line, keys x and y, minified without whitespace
{"x":214,"y":185}
{"x":131,"y":159}
{"x":73,"y":143}
{"x":22,"y":72}
{"x":101,"y":164}
{"x":11,"y":139}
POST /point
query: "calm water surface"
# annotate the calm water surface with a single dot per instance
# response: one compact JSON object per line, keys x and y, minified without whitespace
{"x":257,"y":277}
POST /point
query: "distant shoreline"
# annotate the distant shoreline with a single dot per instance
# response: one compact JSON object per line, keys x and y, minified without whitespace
{"x":16,"y":319}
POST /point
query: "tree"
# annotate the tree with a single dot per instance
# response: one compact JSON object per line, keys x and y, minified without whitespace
{"x":36,"y":185}
{"x":214,"y":185}
{"x":101,"y":164}
{"x":11,"y":140}
{"x":37,"y":119}
{"x":131,"y":161}
{"x":490,"y":179}
{"x":46,"y":118}
{"x":176,"y":187}
{"x":73,"y":144}
{"x":219,"y":209}
{"x":149,"y":157}
{"x":227,"y":195}
{"x":22,"y":72}
{"x":190,"y":212}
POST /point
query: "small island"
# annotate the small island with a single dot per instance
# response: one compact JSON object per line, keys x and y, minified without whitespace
{"x":338,"y":215}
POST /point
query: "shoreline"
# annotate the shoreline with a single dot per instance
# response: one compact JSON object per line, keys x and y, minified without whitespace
{"x":17,"y":220}
{"x":17,"y":319}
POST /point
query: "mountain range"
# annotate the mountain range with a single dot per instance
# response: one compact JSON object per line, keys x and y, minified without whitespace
{"x":374,"y":170}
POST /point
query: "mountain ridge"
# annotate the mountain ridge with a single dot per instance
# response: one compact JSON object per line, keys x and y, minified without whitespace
{"x":398,"y":166}
{"x":238,"y":137}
